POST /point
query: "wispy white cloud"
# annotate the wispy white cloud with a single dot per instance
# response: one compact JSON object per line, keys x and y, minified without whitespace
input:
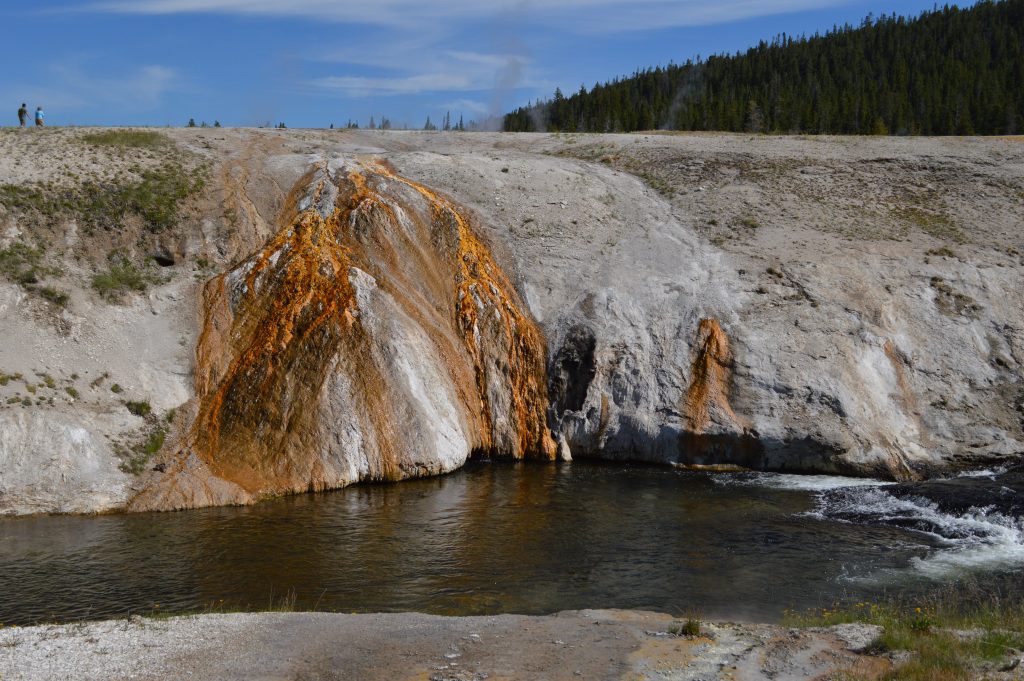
{"x":67,"y":86}
{"x":470,"y":106}
{"x":141,"y":88}
{"x":570,"y":15}
{"x":439,"y":71}
{"x":359,"y":86}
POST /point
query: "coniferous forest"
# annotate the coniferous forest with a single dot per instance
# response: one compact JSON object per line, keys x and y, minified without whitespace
{"x":946,"y":72}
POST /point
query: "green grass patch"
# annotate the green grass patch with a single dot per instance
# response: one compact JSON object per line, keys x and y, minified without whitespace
{"x":121,"y":278}
{"x":156,"y":195}
{"x":139,"y":408}
{"x":137,"y":139}
{"x":934,"y":223}
{"x":656,"y":183}
{"x":23,"y":264}
{"x":55,"y":295}
{"x":135,"y":458}
{"x":958,"y":632}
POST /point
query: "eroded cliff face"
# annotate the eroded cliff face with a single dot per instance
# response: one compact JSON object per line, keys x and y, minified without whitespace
{"x":373,"y":338}
{"x":820,"y":306}
{"x":770,"y":306}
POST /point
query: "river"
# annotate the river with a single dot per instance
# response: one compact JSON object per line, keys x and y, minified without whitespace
{"x":512,"y":538}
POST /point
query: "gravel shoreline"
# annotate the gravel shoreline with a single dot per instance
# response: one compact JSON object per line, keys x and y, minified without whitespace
{"x":591,"y":644}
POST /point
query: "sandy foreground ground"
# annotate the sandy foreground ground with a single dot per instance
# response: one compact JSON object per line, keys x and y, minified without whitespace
{"x":589,"y":644}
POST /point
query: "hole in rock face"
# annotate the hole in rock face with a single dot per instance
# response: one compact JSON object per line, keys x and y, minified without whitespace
{"x":572,"y":370}
{"x":163,"y":258}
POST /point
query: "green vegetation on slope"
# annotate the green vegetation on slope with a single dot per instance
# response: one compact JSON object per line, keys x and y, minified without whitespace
{"x":122,"y":277}
{"x":140,"y":139}
{"x":949,"y":71}
{"x":953,"y":634}
{"x":156,"y":195}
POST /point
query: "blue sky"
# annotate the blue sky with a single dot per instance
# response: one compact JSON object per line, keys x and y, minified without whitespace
{"x":311,"y":63}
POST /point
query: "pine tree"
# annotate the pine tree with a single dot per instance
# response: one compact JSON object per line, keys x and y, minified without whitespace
{"x":947,"y":71}
{"x":754,"y":121}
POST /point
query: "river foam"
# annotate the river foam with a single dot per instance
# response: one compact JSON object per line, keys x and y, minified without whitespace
{"x":801,"y":483}
{"x":976,"y":539}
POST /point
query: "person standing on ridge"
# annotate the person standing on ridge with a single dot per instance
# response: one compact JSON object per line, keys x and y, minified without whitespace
{"x":22,"y":115}
{"x":39,"y":117}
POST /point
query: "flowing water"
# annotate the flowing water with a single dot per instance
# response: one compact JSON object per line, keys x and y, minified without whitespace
{"x":523,"y":538}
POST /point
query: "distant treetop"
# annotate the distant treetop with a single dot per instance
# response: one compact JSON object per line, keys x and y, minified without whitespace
{"x":947,"y":72}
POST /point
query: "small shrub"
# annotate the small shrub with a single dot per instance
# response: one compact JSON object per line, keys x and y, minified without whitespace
{"x":944,"y":252}
{"x":139,"y":408}
{"x":70,"y":390}
{"x":691,"y":627}
{"x":919,"y":621}
{"x":22,"y":263}
{"x":135,"y":458}
{"x":98,"y":381}
{"x":122,"y":277}
{"x":750,"y":223}
{"x":116,"y":388}
{"x":155,"y":441}
{"x":55,"y":296}
{"x":13,"y":400}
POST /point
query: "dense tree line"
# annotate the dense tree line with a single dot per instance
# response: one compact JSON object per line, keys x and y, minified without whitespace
{"x":948,"y":71}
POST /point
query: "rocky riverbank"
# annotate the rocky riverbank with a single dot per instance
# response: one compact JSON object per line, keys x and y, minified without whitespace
{"x":597,"y":645}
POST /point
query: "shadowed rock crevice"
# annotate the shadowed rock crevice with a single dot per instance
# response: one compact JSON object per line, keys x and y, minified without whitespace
{"x":572,"y":371}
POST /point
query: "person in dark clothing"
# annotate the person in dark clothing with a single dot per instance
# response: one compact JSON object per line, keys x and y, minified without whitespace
{"x":22,"y":115}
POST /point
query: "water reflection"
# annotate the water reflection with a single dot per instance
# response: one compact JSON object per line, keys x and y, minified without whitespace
{"x":530,"y":538}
